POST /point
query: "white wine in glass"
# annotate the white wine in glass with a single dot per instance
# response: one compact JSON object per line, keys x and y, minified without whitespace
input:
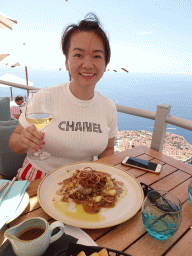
{"x":38,"y":113}
{"x":39,"y":120}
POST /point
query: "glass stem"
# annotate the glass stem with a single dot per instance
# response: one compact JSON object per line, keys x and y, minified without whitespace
{"x":39,"y":153}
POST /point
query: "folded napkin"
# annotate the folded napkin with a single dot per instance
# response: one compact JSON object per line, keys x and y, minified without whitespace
{"x":11,"y":200}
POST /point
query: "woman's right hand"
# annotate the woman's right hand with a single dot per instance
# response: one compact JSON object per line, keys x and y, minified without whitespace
{"x":32,"y":139}
{"x":24,"y":139}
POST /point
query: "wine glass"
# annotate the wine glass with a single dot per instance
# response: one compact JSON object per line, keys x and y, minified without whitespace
{"x":38,"y":113}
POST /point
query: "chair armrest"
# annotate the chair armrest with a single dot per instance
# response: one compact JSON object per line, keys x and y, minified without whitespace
{"x":10,"y":162}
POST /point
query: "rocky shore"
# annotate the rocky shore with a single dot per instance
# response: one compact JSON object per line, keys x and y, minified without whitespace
{"x":174,"y":145}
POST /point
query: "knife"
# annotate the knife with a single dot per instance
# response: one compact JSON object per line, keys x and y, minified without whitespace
{"x":7,"y":189}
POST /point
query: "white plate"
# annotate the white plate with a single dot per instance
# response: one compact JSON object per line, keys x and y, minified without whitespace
{"x":21,"y":208}
{"x":124,"y":209}
{"x":83,"y":238}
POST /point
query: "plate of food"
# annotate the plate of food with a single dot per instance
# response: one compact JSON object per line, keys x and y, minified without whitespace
{"x":90,"y":195}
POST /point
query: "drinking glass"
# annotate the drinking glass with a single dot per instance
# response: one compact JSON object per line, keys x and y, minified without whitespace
{"x":161,"y":214}
{"x":190,"y":191}
{"x":38,"y":113}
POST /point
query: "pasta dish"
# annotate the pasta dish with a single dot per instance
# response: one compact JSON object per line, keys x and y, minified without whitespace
{"x":93,"y":189}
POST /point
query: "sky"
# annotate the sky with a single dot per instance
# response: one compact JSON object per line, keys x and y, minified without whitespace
{"x":151,"y":36}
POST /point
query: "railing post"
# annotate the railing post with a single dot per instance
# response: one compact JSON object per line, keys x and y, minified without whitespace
{"x":160,"y":127}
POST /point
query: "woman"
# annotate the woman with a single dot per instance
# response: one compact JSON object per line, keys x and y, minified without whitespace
{"x":84,"y":121}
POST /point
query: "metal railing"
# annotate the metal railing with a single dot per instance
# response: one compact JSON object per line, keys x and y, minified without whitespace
{"x":161,"y":117}
{"x":25,"y":87}
{"x":28,"y":88}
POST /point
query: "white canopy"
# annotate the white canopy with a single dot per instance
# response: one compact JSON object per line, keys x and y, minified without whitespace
{"x":2,"y":56}
{"x":6,"y":22}
{"x":15,"y":81}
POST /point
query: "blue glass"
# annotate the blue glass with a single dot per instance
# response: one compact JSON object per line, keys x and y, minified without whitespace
{"x":190,"y":191}
{"x":160,"y":220}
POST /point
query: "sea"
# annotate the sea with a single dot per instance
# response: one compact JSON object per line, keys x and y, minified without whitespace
{"x":137,"y":90}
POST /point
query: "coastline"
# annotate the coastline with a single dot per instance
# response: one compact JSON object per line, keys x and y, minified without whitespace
{"x":174,"y":145}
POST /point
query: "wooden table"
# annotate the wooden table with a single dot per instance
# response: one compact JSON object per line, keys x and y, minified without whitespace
{"x":131,"y":236}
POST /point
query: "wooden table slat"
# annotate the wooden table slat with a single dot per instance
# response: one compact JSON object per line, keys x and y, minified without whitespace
{"x":170,"y":181}
{"x":133,"y":171}
{"x":169,"y":160}
{"x":183,"y":247}
{"x":118,"y":157}
{"x":124,"y":234}
{"x":150,"y":247}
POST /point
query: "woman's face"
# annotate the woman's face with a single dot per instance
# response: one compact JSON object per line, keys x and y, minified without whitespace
{"x":86,"y":59}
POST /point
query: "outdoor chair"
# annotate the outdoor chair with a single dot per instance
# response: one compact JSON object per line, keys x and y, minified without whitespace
{"x":10,"y":162}
{"x":5,"y":114}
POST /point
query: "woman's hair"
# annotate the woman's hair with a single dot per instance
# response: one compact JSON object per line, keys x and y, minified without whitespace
{"x":90,"y":23}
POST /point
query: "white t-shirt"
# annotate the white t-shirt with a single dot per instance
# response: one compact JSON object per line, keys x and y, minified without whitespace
{"x":80,"y":129}
{"x":23,"y":107}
